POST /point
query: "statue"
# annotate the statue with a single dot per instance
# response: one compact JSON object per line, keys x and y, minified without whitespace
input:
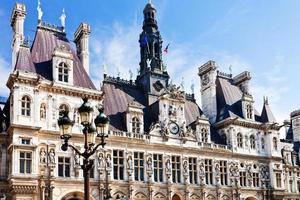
{"x":108,"y":161}
{"x":168,"y":165}
{"x":202,"y":168}
{"x":185,"y":167}
{"x":149,"y":163}
{"x":52,"y":156}
{"x":63,"y":18}
{"x":101,"y":161}
{"x":43,"y":155}
{"x":40,"y":12}
{"x":129,"y":162}
{"x":217,"y":169}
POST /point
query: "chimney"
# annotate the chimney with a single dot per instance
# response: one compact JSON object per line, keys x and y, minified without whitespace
{"x":81,"y":39}
{"x":242,"y":81}
{"x":295,"y":118}
{"x":17,"y":24}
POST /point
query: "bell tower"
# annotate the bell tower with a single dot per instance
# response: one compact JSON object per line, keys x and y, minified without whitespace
{"x":152,"y":75}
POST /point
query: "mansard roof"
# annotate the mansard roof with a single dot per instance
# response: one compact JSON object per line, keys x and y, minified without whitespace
{"x":119,"y":94}
{"x":229,"y":100}
{"x":39,"y":59}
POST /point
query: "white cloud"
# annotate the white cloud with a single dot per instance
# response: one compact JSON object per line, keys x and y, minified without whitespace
{"x":5,"y":70}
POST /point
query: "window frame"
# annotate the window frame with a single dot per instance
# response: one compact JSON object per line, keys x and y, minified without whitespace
{"x":223,"y":172}
{"x":158,"y":168}
{"x":239,"y":139}
{"x":139,"y":166}
{"x":252,"y":142}
{"x":26,"y":106}
{"x":63,"y":72}
{"x":176,"y":169}
{"x":135,"y":125}
{"x":208,"y":166}
{"x":193,"y":172}
{"x":65,"y":166}
{"x":118,"y":164}
{"x":25,"y":160}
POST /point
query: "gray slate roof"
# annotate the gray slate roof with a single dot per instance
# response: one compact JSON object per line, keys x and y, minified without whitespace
{"x":119,"y":95}
{"x":39,"y":58}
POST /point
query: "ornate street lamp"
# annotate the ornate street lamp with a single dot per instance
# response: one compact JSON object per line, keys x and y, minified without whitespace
{"x":90,"y":133}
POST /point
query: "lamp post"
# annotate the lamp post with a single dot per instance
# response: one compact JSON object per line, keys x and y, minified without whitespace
{"x":90,"y":133}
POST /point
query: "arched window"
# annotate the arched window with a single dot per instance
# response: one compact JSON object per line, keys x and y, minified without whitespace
{"x":136,"y":125}
{"x":249,"y":111}
{"x":275,"y":143}
{"x":252,"y":142}
{"x":63,"y":72}
{"x":25,"y":106}
{"x":204,"y":135}
{"x":43,"y":111}
{"x":239,"y":140}
{"x":262,"y":143}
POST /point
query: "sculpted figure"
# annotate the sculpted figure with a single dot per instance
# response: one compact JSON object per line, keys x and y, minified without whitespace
{"x":52,"y":156}
{"x":43,"y":155}
{"x":129,"y":162}
{"x":101,"y":160}
{"x":77,"y":159}
{"x":149,"y":163}
{"x":108,"y":161}
{"x":168,"y":165}
{"x":185,"y":167}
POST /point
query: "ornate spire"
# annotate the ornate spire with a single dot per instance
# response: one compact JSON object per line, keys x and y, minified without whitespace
{"x":40,"y":12}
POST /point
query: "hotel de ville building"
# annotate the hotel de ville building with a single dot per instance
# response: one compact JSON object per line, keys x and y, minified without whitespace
{"x":162,"y":144}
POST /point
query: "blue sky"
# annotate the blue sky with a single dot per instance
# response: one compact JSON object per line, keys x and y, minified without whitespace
{"x":256,"y":35}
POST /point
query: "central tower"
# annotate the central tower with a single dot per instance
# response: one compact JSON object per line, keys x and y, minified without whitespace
{"x":152,"y":75}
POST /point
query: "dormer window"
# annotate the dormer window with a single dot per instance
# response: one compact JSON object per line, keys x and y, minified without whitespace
{"x":249,"y":111}
{"x":136,"y":125}
{"x":25,"y":106}
{"x":204,"y":135}
{"x":63,"y":72}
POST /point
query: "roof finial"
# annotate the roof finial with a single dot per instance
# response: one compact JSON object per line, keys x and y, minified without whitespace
{"x":63,"y":18}
{"x":150,"y":1}
{"x":230,"y":69}
{"x":104,"y":70}
{"x":193,"y":87}
{"x":182,"y":83}
{"x":40,"y":12}
{"x":130,"y":74}
{"x":266,"y":100}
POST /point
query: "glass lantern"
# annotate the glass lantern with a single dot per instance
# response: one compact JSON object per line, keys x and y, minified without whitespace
{"x":91,"y":135}
{"x":102,"y":122}
{"x":65,"y":125}
{"x":85,"y":112}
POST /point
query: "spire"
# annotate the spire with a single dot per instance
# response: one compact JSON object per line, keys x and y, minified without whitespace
{"x":266,"y":114}
{"x":40,"y":12}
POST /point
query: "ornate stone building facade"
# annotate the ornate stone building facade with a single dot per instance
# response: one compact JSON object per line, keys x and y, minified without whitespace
{"x":161,"y":144}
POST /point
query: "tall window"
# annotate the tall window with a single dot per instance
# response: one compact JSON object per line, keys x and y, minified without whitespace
{"x":243,"y":179}
{"x":158,"y":167}
{"x":176,"y":173}
{"x":136,"y":125}
{"x":255,"y":179}
{"x":43,"y":111}
{"x":249,"y":111}
{"x":298,"y":186}
{"x":25,"y":162}
{"x":290,"y":186}
{"x":118,"y":164}
{"x":139,"y":166}
{"x":275,"y":143}
{"x":208,"y":172}
{"x":239,"y":140}
{"x":193,"y":170}
{"x":223,"y":172}
{"x":252,"y":142}
{"x":278,"y":179}
{"x":64,"y":166}
{"x":204,"y":135}
{"x":63,"y":72}
{"x":25,"y":106}
{"x":262,"y":143}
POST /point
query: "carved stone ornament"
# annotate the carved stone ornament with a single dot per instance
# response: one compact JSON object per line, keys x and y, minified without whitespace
{"x":43,"y":155}
{"x":108,"y":161}
{"x":52,"y":156}
{"x":174,"y":92}
{"x":101,"y":160}
{"x":129,"y":161}
{"x":149,"y":162}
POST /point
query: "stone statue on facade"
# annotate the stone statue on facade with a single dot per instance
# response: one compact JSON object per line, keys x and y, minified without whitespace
{"x":168,"y":166}
{"x":101,"y":161}
{"x":76,"y":159}
{"x":43,"y":155}
{"x":217,"y":169}
{"x":52,"y":156}
{"x":108,"y":161}
{"x":149,"y":163}
{"x":185,"y":167}
{"x":129,"y":162}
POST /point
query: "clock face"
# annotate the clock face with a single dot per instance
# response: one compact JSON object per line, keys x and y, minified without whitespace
{"x":205,"y":80}
{"x":174,"y":128}
{"x":158,"y":86}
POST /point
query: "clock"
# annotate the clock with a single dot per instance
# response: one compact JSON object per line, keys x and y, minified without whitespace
{"x":174,"y":128}
{"x":205,"y":80}
{"x":158,"y":86}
